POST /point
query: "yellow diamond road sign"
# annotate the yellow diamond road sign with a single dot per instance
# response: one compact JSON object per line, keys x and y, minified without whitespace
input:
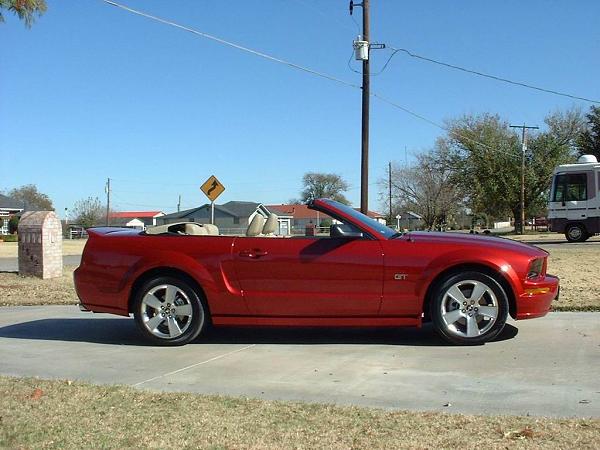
{"x":212,"y":188}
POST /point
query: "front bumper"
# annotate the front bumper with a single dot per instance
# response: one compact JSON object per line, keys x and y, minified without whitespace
{"x":537,"y":297}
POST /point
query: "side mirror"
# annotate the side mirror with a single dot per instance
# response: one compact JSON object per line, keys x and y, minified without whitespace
{"x":338,"y":231}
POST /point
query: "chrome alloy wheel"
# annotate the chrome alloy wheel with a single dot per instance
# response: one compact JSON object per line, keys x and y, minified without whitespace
{"x":469,"y":308}
{"x":166,"y":311}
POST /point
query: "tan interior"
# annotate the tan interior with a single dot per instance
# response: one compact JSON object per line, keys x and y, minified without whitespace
{"x":256,"y":226}
{"x":270,"y":225}
{"x":185,"y":228}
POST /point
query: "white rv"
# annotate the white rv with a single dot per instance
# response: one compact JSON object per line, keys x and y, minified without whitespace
{"x":574,"y":203}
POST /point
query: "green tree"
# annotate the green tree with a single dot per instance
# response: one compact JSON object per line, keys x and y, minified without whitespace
{"x":31,"y":198}
{"x":88,"y":212}
{"x":26,"y":10}
{"x":485,"y":156}
{"x":588,"y":142}
{"x":323,"y":185}
{"x":13,"y":224}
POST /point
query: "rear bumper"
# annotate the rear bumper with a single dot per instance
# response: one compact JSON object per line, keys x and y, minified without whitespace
{"x":91,"y":298}
{"x":537,"y":297}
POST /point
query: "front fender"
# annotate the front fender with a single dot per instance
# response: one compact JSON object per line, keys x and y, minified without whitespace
{"x":456,"y":260}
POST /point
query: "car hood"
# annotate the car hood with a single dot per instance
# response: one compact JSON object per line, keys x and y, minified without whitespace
{"x":474,"y":240}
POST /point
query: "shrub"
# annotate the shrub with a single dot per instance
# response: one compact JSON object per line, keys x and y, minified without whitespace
{"x":13,"y":224}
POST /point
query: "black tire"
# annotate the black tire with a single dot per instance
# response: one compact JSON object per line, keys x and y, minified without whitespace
{"x":576,"y":233}
{"x":172,"y":321}
{"x":457,"y":314}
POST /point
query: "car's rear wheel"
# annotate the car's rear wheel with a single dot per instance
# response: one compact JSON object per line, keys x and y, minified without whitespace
{"x":469,"y":308}
{"x":168,"y":311}
{"x":576,"y":233}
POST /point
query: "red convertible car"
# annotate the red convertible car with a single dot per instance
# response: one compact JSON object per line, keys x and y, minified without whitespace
{"x":177,"y":279}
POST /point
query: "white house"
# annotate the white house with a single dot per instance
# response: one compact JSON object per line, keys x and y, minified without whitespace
{"x":8,"y":207}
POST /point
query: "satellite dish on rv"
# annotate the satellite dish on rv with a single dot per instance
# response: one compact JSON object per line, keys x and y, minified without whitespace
{"x":583,"y":159}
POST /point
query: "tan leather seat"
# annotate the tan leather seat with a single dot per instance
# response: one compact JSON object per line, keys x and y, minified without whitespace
{"x":195,"y":229}
{"x":212,"y":230}
{"x":256,"y":226}
{"x":185,"y":228}
{"x":271,"y":225}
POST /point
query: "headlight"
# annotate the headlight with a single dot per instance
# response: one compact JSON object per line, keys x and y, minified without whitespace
{"x":535,"y":268}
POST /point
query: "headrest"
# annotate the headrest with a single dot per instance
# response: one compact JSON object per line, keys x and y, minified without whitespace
{"x":195,"y":229}
{"x":256,"y":226}
{"x":271,"y":225}
{"x":212,"y":230}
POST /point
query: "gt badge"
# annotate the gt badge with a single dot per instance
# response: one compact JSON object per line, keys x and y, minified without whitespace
{"x":400,"y":276}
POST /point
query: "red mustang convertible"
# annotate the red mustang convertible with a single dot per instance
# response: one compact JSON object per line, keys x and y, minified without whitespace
{"x":176,"y":279}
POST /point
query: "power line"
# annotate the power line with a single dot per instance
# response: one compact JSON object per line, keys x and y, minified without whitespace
{"x":231,"y":44}
{"x":482,"y":74}
{"x":290,"y":64}
{"x":429,"y":121}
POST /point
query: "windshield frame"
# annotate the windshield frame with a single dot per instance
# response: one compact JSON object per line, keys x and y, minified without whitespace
{"x":345,"y":213}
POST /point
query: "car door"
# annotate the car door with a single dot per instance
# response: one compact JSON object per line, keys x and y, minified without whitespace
{"x":310,"y":276}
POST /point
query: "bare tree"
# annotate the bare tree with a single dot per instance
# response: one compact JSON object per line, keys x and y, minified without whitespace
{"x":426,"y":188}
{"x":88,"y":212}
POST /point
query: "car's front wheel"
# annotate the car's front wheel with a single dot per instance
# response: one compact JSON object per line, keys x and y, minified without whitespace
{"x":168,"y":311}
{"x":469,"y":308}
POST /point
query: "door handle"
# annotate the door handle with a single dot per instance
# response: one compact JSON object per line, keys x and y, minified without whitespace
{"x":254,"y":253}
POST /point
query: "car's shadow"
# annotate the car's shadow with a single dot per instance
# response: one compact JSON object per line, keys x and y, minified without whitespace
{"x":124,"y":332}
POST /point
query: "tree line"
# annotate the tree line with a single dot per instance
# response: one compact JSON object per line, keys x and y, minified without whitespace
{"x":476,"y":167}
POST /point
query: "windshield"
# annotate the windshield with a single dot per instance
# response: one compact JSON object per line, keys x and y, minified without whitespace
{"x":360,"y":217}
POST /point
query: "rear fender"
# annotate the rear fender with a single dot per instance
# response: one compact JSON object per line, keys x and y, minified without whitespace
{"x":173,"y":260}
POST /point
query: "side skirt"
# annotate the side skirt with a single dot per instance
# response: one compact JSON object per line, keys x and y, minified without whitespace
{"x":316,"y":321}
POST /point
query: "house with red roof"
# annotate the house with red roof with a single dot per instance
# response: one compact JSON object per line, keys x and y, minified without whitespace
{"x":139,"y":220}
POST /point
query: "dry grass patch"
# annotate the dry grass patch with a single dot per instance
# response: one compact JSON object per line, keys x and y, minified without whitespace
{"x":578,"y":268}
{"x":44,"y":414}
{"x":26,"y":291}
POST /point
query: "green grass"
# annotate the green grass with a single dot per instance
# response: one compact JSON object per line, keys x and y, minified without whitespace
{"x":58,"y":414}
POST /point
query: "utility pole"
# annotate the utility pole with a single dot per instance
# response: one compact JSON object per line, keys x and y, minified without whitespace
{"x":390,"y":188}
{"x":179,"y":203}
{"x":366,"y":88}
{"x":524,"y":129}
{"x":107,"y":188}
{"x":361,"y":47}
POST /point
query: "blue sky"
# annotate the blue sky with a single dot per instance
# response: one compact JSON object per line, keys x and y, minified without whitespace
{"x":91,"y":92}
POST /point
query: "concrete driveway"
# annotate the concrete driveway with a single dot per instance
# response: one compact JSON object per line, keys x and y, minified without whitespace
{"x":546,"y":367}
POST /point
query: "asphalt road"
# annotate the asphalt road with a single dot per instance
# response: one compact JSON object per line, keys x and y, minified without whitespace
{"x":551,"y":244}
{"x":12,"y":264}
{"x":545,"y":367}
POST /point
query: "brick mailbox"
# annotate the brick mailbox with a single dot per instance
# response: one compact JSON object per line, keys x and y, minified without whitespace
{"x":40,"y":245}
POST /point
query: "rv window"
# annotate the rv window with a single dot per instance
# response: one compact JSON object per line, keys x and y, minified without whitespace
{"x":577,"y":187}
{"x":570,"y":187}
{"x":559,"y":189}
